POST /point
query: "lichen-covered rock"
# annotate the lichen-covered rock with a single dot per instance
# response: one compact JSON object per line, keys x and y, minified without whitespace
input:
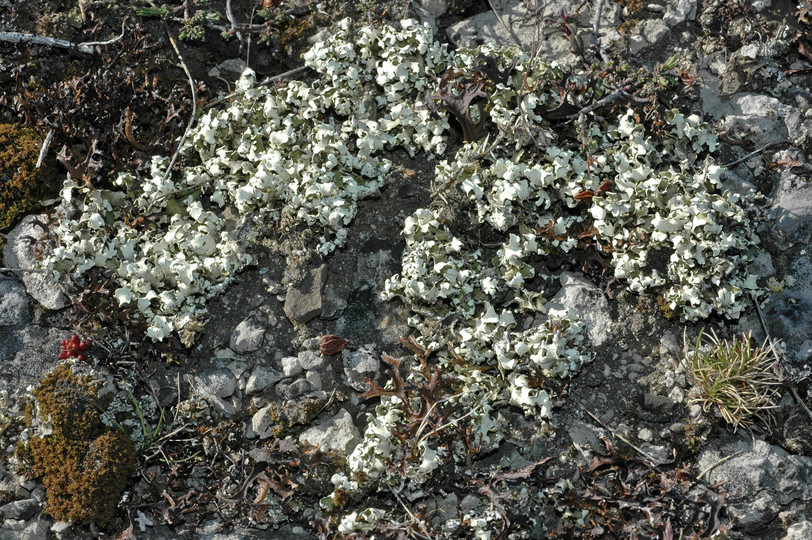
{"x":758,"y":467}
{"x":247,"y":336}
{"x":303,"y":302}
{"x":13,"y":303}
{"x":338,"y":433}
{"x":19,"y":253}
{"x":261,"y":378}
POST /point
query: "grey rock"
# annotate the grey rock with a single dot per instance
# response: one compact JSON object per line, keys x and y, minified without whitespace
{"x":261,"y":377}
{"x":750,"y":51}
{"x":234,"y":66}
{"x":237,"y":368}
{"x":637,"y":43}
{"x":469,"y":502}
{"x":360,"y":365}
{"x":754,"y":117}
{"x":27,"y":354}
{"x":655,"y":402}
{"x":778,"y":478}
{"x":789,"y":312}
{"x":262,"y":422}
{"x":424,"y":16}
{"x":680,"y":11}
{"x":314,"y":379}
{"x":442,"y":509}
{"x":311,"y":360}
{"x":293,"y":389}
{"x":24,"y":530}
{"x":791,"y":210}
{"x":337,"y":289}
{"x":584,"y":437}
{"x":797,"y":432}
{"x":588,"y":300}
{"x":247,"y":336}
{"x":18,"y":253}
{"x":436,"y":8}
{"x":21,"y":509}
{"x":303,"y":302}
{"x":762,"y":265}
{"x":760,"y":5}
{"x":13,"y":303}
{"x":319,"y":36}
{"x":670,"y":344}
{"x":338,"y":433}
{"x":799,"y":531}
{"x":218,"y":382}
{"x":525,"y":21}
{"x":291,"y":366}
{"x":654,"y":31}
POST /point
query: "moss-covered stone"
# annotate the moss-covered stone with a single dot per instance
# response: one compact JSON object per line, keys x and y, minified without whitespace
{"x":22,"y":185}
{"x":70,"y":402}
{"x":83,"y":465}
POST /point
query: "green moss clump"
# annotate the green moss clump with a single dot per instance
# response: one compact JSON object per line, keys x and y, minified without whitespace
{"x":22,"y":185}
{"x":83,"y":465}
{"x":70,"y":402}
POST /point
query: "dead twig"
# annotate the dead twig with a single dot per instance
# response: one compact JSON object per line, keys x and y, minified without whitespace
{"x":86,"y":47}
{"x":751,"y":154}
{"x":44,"y":150}
{"x":233,"y":21}
{"x":502,"y":22}
{"x":267,"y":80}
{"x":712,"y":466}
{"x":194,"y":110}
{"x":596,"y":29}
{"x":654,"y":462}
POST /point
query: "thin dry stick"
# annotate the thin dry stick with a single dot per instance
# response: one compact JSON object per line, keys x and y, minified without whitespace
{"x":714,"y":465}
{"x":268,"y":80}
{"x":32,"y":270}
{"x":44,"y":150}
{"x":793,"y":387}
{"x":426,"y":535}
{"x":596,"y":28}
{"x":654,"y":462}
{"x":751,"y":154}
{"x":233,"y":21}
{"x":84,"y":47}
{"x":509,"y":29}
{"x":194,"y":110}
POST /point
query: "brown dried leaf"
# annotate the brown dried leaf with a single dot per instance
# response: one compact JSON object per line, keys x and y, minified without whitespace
{"x":331,"y":344}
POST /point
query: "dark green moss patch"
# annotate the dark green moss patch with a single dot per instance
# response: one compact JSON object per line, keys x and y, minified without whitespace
{"x":83,"y":464}
{"x":22,"y":185}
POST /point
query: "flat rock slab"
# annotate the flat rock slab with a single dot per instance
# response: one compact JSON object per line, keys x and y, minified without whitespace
{"x":338,"y":433}
{"x":753,"y":117}
{"x":27,"y":354}
{"x":791,"y":210}
{"x":247,"y":336}
{"x":19,"y":253}
{"x":13,"y":303}
{"x":529,"y":27}
{"x":303,"y":302}
{"x":778,"y":478}
{"x":218,"y":382}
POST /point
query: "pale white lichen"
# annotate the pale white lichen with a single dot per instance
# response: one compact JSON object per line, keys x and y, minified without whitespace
{"x":306,"y":150}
